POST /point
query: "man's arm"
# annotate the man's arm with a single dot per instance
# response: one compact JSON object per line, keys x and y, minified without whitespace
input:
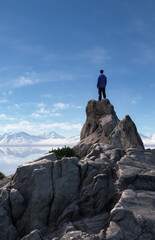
{"x":105,"y":81}
{"x":98,"y":81}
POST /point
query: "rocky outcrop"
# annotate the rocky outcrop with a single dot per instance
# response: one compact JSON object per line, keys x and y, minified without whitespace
{"x":103,"y":126}
{"x":133,"y":216}
{"x":108,"y":194}
{"x":47,"y":194}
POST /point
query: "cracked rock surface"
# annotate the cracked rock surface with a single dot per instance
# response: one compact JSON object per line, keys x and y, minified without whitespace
{"x":108,"y":194}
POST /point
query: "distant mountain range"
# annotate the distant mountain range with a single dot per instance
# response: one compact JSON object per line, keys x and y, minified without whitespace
{"x":52,"y":138}
{"x":47,"y":138}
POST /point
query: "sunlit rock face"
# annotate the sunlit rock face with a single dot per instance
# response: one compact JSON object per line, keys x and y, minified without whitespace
{"x":108,"y":194}
{"x":103,"y":126}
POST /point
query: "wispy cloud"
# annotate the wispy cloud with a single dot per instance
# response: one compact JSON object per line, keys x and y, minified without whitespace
{"x":33,"y":78}
{"x":19,"y":126}
{"x":5,"y":117}
{"x":43,"y":111}
{"x":45,"y":114}
{"x":29,"y":79}
{"x":55,"y":114}
{"x":64,"y":106}
{"x":60,"y":106}
{"x":24,"y":104}
{"x":36,"y":115}
{"x":41,"y":105}
{"x":7,"y":93}
{"x":135,"y":100}
{"x":33,"y":127}
{"x":64,"y":126}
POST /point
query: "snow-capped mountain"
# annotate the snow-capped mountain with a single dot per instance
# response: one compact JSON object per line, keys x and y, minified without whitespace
{"x":149,"y":142}
{"x":50,"y":135}
{"x":52,"y":138}
{"x":47,"y":138}
{"x":17,"y":138}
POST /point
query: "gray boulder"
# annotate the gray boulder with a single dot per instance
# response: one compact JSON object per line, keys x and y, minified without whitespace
{"x":17,"y":204}
{"x":33,"y":184}
{"x":133,"y":216}
{"x":136,"y":170}
{"x":103,"y":126}
{"x":125,"y":135}
{"x":99,"y":114}
{"x":7,"y":228}
{"x":66,"y":180}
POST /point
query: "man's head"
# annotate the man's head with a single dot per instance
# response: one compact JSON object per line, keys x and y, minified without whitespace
{"x":101,"y":71}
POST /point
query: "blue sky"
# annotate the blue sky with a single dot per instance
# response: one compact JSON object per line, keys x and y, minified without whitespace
{"x":51,"y":53}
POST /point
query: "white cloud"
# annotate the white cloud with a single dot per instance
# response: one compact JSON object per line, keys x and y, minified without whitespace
{"x":36,"y":115}
{"x":24,"y":81}
{"x":40,"y":112}
{"x":64,"y":126}
{"x":3,"y":116}
{"x":55,"y":114}
{"x":60,"y":106}
{"x":135,"y":100}
{"x":64,"y":106}
{"x":76,"y":107}
{"x":41,"y":105}
{"x":17,"y":105}
{"x":43,"y":111}
{"x":27,"y":126}
{"x":29,"y":79}
{"x":20,"y":126}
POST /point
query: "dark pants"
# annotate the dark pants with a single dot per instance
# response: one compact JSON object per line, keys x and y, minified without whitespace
{"x":100,"y":91}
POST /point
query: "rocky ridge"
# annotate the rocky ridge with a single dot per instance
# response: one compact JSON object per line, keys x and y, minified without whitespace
{"x":108,"y":194}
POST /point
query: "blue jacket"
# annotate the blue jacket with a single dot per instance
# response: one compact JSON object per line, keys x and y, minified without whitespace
{"x":102,"y":81}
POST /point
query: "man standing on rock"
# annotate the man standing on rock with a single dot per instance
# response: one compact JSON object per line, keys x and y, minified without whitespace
{"x":101,"y":84}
